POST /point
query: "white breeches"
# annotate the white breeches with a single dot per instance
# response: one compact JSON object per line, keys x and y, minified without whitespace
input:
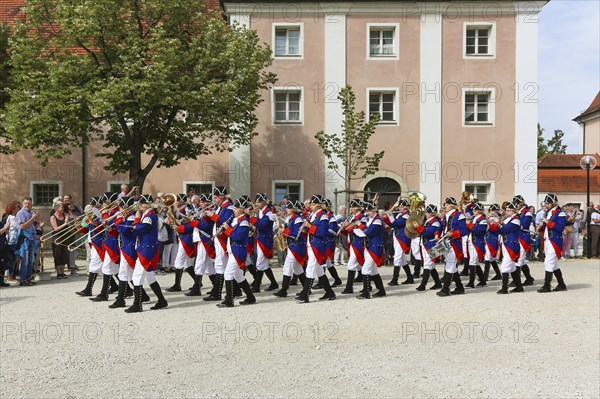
{"x":140,"y":274}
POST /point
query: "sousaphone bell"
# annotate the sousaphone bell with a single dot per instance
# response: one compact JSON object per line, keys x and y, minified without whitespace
{"x":416,"y":211}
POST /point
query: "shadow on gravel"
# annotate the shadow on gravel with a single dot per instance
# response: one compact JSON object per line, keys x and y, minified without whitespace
{"x":572,"y":287}
{"x":7,"y":300}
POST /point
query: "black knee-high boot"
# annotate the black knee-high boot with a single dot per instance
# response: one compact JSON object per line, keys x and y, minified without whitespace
{"x":120,"y":301}
{"x":513,"y":283}
{"x":365,"y":294}
{"x":395,"y":276}
{"x":215,"y":294}
{"x":145,"y":297}
{"x":498,"y":275}
{"x":336,"y":277}
{"x":114,"y":286}
{"x":465,"y":270}
{"x":301,"y":278}
{"x":561,"y":286}
{"x":447,"y":279}
{"x":481,"y":276}
{"x":137,"y":300}
{"x":517,"y":280}
{"x":195,"y":291}
{"x":379,"y":285}
{"x":437,"y":284}
{"x":303,"y":297}
{"x":250,"y":299}
{"x":471,"y":283}
{"x":192,"y":273}
{"x":87,"y":291}
{"x":285,"y":284}
{"x":294,"y":280}
{"x":418,"y":266}
{"x":527,"y":272}
{"x":547,"y":281}
{"x":228,"y":302}
{"x":504,"y":289}
{"x":273,"y":286}
{"x":257,"y":281}
{"x":237,"y":291}
{"x":211,"y":277}
{"x":162,"y":302}
{"x":251,"y":269}
{"x":350,"y":282}
{"x":486,"y":270}
{"x":423,"y":284}
{"x":329,"y":294}
{"x":129,"y":291}
{"x":177,"y":286}
{"x":358,"y":278}
{"x":409,"y":276}
{"x":103,"y":295}
{"x":459,"y":287}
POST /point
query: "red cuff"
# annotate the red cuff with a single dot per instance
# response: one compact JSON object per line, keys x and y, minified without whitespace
{"x":386,"y":220}
{"x":550,"y":224}
{"x":286,"y":232}
{"x":349,"y":229}
{"x":456,"y":234}
{"x":113,"y":233}
{"x":194,"y":223}
{"x":420,"y":229}
{"x":228,"y":231}
{"x":118,"y":221}
{"x":83,"y":230}
{"x":253,"y":220}
{"x":214,"y":218}
{"x":137,"y":221}
{"x":493,"y":227}
{"x":181,"y":229}
{"x":104,"y":215}
{"x":312,"y":230}
{"x":470,"y":226}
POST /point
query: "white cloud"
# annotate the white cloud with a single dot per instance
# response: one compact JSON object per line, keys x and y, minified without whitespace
{"x":569,"y":66}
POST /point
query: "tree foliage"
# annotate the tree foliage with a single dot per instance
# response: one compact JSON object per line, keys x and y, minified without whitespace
{"x":158,"y":81}
{"x":351,"y":147}
{"x":5,"y":69}
{"x":553,"y":146}
{"x":542,"y":147}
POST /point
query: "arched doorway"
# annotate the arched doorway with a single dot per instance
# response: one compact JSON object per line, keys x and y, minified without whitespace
{"x":383,"y":185}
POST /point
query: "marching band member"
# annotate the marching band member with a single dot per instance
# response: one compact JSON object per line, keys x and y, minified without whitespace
{"x":356,"y":257}
{"x":93,"y":226}
{"x":330,"y":252}
{"x":237,"y":234}
{"x":478,"y":227}
{"x":526,"y":218}
{"x":552,"y":227}
{"x":124,"y":225}
{"x":468,"y":212}
{"x":455,"y":228}
{"x":186,"y":250}
{"x":296,"y":252}
{"x":264,"y":220}
{"x":402,"y":243}
{"x":145,"y":226}
{"x":492,"y":246}
{"x":429,"y":231}
{"x":223,"y":213}
{"x":509,"y":229}
{"x":416,"y":256}
{"x":110,"y":246}
{"x":373,"y":254}
{"x":317,"y":226}
{"x":205,"y":249}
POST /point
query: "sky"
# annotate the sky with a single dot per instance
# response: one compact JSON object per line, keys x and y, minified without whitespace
{"x":569,"y":65}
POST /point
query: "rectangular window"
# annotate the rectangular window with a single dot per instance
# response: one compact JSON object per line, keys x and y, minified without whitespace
{"x":287,"y":40}
{"x":382,"y":41}
{"x":479,"y":40}
{"x":198,"y":188}
{"x":281,"y":189}
{"x":384,"y":104}
{"x":479,"y":191}
{"x":43,"y":193}
{"x":477,"y":108}
{"x":287,"y":106}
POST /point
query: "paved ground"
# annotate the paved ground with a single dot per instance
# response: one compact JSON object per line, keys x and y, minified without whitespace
{"x":409,"y":344}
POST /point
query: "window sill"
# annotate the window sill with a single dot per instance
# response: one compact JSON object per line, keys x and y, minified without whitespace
{"x":476,"y":124}
{"x":288,"y":57}
{"x":287,"y":123}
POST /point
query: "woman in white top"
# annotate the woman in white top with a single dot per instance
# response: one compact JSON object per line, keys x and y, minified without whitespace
{"x":12,"y":236}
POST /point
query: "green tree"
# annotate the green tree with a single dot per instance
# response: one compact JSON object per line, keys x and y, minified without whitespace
{"x":351,"y":147}
{"x":555,"y":145}
{"x":542,"y":147}
{"x":5,"y":69}
{"x":158,"y":81}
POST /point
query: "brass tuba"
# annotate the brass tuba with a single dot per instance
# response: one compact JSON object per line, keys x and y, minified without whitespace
{"x":280,"y":241}
{"x":417,"y":213}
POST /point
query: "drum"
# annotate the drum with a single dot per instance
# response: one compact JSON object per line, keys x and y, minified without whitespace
{"x":440,"y":248}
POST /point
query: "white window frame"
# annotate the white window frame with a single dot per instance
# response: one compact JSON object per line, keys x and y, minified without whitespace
{"x":396,"y":91}
{"x":284,"y":89}
{"x":186,"y":182}
{"x":491,"y":40}
{"x":109,"y":182}
{"x":491,"y":106}
{"x":275,"y":182}
{"x":491,"y":193}
{"x":384,"y":26}
{"x":34,"y":182}
{"x":288,"y":25}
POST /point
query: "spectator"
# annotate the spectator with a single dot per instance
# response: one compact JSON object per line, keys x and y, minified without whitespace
{"x":538,"y":219}
{"x":37,"y":253}
{"x":11,"y":237}
{"x":26,"y":242}
{"x":125,"y":192}
{"x":576,"y":231}
{"x":594,"y":231}
{"x":5,"y":251}
{"x":340,"y":256}
{"x":568,"y":232}
{"x":74,"y":212}
{"x":59,"y":220}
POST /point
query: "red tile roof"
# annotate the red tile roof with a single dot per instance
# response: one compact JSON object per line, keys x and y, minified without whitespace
{"x":594,"y":106}
{"x":567,"y":181}
{"x":558,"y":161}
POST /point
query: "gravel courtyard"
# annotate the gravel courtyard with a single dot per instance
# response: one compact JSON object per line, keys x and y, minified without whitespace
{"x":410,"y":344}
